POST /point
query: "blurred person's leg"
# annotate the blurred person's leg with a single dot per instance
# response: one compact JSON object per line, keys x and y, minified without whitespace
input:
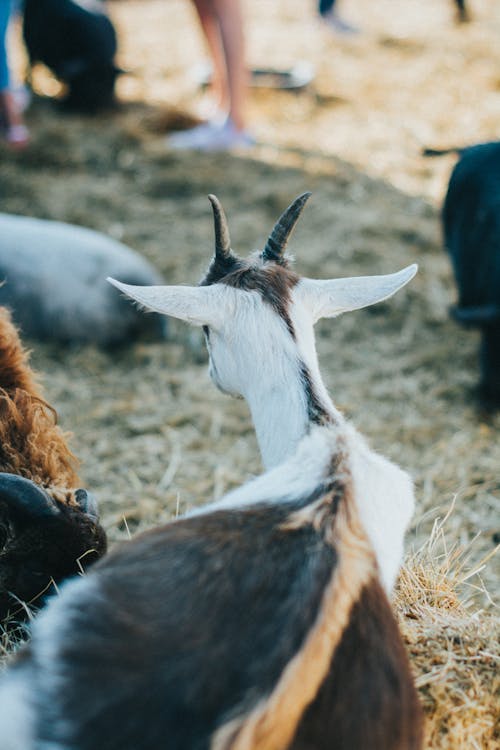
{"x":211,"y":30}
{"x":222,"y":24}
{"x":12,"y":123}
{"x":230,"y":18}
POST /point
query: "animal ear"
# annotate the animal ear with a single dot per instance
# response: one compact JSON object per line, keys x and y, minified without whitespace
{"x":331,"y":297}
{"x":200,"y":305}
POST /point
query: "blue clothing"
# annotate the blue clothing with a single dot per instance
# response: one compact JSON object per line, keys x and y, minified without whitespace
{"x":324,"y":6}
{"x":5,"y":11}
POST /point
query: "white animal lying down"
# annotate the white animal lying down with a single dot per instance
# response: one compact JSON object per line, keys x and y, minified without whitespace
{"x":54,"y":278}
{"x":260,"y":621}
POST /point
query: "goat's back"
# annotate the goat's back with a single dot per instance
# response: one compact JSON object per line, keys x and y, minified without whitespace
{"x":191,"y":631}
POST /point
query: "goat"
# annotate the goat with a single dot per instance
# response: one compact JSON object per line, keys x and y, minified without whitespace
{"x":76,"y":40}
{"x":48,"y":531}
{"x":260,"y":621}
{"x":55,"y":284}
{"x":471,"y":229}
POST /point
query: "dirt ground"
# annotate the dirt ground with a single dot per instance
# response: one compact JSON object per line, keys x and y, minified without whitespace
{"x":153,"y":435}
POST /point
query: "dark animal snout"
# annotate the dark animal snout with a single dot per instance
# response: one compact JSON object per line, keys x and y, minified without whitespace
{"x":43,"y":540}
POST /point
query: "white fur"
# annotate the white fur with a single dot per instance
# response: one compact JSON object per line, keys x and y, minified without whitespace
{"x":327,"y":298}
{"x":205,"y":305}
{"x":271,"y":385}
{"x":16,"y":714}
{"x":382,"y":491}
{"x":253,"y":354}
{"x":296,"y":477}
{"x":19,"y":687}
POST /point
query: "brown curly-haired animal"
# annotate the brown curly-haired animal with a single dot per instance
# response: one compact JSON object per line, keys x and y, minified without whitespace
{"x":49,"y":527}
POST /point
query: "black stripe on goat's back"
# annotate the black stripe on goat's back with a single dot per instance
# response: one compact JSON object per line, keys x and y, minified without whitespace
{"x":188,"y":625}
{"x":368,"y":699}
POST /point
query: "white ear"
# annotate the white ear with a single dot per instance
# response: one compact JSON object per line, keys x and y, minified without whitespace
{"x":331,"y":297}
{"x":200,"y":305}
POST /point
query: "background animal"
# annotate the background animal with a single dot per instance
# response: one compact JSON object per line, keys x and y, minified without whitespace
{"x":76,"y":40}
{"x":262,"y":620}
{"x":54,"y":278}
{"x":49,"y":527}
{"x":471,"y":227}
{"x":376,"y":201}
{"x":462,"y":10}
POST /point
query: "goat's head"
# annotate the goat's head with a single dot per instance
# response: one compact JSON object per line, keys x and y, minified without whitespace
{"x":45,"y":536}
{"x":257,"y":313}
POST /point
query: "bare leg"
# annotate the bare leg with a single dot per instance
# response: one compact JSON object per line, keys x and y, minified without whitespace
{"x":211,"y":30}
{"x":222,"y":24}
{"x":230,"y":17}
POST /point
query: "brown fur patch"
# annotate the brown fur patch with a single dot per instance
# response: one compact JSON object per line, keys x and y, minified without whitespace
{"x":273,"y":282}
{"x":336,"y":488}
{"x":31,"y":443}
{"x":368,"y":699}
{"x":272,"y":724}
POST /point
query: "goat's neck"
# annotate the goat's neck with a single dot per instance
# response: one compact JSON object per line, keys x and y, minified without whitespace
{"x":285,"y":408}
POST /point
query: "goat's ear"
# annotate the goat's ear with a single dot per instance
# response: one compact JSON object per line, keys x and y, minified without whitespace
{"x":331,"y":297}
{"x":200,"y":305}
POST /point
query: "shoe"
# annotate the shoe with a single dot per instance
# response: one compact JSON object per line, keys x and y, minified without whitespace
{"x":17,"y":136}
{"x":215,"y":135}
{"x":191,"y":137}
{"x":12,"y":128}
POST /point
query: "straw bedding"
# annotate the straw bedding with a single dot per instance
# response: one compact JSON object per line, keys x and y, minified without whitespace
{"x":153,"y":436}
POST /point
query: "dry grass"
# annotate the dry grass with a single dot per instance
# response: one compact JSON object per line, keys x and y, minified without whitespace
{"x":153,"y":436}
{"x":454,"y":646}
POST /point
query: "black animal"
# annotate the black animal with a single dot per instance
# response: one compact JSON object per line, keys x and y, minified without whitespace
{"x":471,"y":225}
{"x":49,"y":529}
{"x":462,"y":11}
{"x":76,"y":40}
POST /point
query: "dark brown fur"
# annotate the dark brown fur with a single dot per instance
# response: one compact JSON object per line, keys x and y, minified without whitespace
{"x":316,"y":412}
{"x":351,"y":665}
{"x":368,"y":699}
{"x":35,"y":550}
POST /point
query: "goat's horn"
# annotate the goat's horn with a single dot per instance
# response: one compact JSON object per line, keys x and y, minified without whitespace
{"x":24,"y":497}
{"x":222,"y":241}
{"x":276,"y":244}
